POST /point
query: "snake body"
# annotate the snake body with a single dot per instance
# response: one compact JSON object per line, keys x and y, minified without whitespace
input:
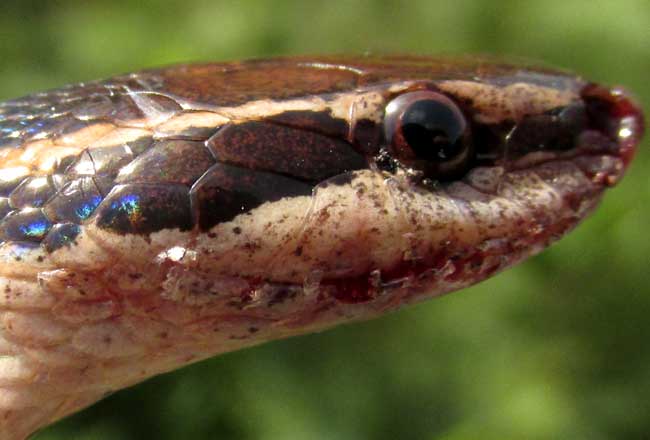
{"x":159,"y":218}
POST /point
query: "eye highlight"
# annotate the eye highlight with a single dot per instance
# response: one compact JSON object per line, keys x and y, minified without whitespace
{"x":427,"y":131}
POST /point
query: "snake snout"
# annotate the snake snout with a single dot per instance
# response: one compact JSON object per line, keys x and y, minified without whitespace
{"x":616,"y":116}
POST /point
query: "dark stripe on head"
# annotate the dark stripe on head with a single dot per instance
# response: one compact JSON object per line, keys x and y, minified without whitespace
{"x":230,"y":84}
{"x":556,"y":130}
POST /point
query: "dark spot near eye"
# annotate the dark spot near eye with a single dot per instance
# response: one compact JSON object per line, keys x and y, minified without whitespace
{"x":366,"y":136}
{"x":236,"y":230}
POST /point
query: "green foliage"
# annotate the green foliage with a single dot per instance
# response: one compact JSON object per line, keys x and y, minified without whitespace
{"x":557,"y":348}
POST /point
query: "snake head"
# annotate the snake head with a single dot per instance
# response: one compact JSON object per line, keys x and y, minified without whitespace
{"x":155,"y":219}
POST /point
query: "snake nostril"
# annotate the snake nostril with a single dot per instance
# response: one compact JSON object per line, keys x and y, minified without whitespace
{"x":615,"y":114}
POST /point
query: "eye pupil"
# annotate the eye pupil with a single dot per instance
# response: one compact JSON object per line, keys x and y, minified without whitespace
{"x":426,"y":131}
{"x":433,"y":130}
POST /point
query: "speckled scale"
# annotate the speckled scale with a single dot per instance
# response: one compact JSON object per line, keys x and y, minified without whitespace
{"x":274,"y":148}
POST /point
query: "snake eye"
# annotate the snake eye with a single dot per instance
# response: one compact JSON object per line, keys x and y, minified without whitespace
{"x":427,"y":131}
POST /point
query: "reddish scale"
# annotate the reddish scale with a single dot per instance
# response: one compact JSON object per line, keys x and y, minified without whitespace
{"x":364,"y":288}
{"x":352,"y":290}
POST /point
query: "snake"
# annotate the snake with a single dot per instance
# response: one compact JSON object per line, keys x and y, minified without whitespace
{"x":155,"y":219}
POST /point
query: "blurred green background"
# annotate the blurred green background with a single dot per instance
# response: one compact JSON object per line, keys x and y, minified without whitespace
{"x":556,"y":348}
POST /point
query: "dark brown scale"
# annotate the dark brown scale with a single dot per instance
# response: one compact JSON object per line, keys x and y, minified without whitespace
{"x":127,"y":112}
{"x":61,"y":235}
{"x":145,"y":208}
{"x":367,"y":136}
{"x":226,"y":191}
{"x":554,"y":130}
{"x":33,"y":192}
{"x":122,"y":109}
{"x":274,"y":148}
{"x":75,"y":202}
{"x":29,"y":224}
{"x":174,"y":161}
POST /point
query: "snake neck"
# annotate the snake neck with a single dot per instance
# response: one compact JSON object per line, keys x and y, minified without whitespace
{"x":67,"y":339}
